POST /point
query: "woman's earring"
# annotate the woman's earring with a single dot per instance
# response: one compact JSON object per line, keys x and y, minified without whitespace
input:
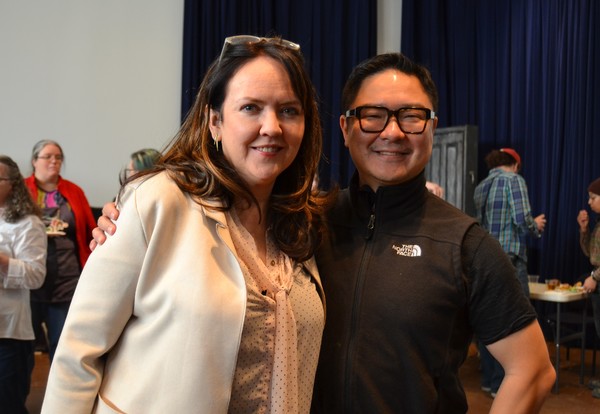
{"x":216,"y":139}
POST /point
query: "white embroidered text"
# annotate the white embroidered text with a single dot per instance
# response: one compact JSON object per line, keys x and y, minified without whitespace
{"x":407,"y":250}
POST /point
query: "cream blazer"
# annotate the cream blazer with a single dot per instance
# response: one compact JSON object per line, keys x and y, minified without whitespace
{"x":157,"y":317}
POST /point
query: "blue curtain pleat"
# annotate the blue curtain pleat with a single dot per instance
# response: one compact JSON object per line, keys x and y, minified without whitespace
{"x":526,"y":72}
{"x":334,"y":36}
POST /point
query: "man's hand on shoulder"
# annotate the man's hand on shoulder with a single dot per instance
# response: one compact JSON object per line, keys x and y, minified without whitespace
{"x":106,"y":225}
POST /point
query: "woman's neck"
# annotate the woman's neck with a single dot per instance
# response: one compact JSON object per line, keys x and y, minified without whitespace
{"x":255,"y":223}
{"x":48,"y":184}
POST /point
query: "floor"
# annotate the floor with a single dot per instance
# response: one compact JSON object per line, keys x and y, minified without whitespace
{"x":572,"y":397}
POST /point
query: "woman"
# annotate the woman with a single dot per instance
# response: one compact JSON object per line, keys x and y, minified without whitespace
{"x":208,"y":299}
{"x":141,"y":160}
{"x":589,"y":240}
{"x":22,"y":267}
{"x":69,"y":223}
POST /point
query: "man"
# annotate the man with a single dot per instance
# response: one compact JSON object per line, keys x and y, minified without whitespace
{"x":503,"y":209}
{"x":408,"y":277}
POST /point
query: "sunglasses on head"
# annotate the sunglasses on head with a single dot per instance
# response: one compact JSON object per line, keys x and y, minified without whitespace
{"x":248,"y":39}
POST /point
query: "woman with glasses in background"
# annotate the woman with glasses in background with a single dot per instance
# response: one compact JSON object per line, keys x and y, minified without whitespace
{"x":69,"y":223}
{"x":208,"y":299}
{"x":22,"y":267}
{"x":141,"y":160}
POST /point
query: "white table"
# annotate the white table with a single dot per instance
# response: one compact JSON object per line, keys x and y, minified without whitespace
{"x":539,"y":291}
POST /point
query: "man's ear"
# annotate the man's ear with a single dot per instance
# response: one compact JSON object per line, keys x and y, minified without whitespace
{"x":344,"y":127}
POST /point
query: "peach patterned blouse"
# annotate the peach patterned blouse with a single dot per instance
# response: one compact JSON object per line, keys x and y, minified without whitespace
{"x":283,"y":307}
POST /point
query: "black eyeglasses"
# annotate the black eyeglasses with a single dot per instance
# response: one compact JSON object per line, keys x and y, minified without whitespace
{"x":241,"y":39}
{"x":375,"y":118}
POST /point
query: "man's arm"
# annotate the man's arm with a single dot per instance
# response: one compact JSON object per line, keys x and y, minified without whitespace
{"x":529,"y":374}
{"x":583,"y":219}
{"x":105,"y":225}
{"x":521,"y":209}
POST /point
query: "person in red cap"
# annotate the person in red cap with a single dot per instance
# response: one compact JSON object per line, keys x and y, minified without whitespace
{"x":590,"y":244}
{"x":503,"y":209}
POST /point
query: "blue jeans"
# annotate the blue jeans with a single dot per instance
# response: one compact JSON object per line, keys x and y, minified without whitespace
{"x":16,"y":366}
{"x":492,"y":372}
{"x":53,"y":315}
{"x":521,"y":269}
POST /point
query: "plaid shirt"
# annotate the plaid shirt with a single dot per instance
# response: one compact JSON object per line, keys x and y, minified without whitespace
{"x":503,"y":210}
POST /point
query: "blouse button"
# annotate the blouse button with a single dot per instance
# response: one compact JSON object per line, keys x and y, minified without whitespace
{"x":272,"y":262}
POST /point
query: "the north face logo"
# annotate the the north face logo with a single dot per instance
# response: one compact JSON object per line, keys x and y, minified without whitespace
{"x":407,"y":250}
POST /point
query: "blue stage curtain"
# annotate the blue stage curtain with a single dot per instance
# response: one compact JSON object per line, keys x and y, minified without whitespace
{"x":334,"y":36}
{"x":526,"y":72}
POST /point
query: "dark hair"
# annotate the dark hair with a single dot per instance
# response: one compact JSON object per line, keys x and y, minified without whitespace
{"x":144,"y":159}
{"x":141,"y":160}
{"x":198,"y":169}
{"x":496,"y":158}
{"x":19,"y":202}
{"x":383,"y":62}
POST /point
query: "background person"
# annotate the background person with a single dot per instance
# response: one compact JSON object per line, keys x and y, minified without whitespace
{"x":141,"y":160}
{"x":208,"y":298}
{"x":503,"y":209}
{"x":590,"y":245}
{"x":69,"y":221}
{"x":22,"y":267}
{"x":502,"y":205}
{"x":435,"y":189}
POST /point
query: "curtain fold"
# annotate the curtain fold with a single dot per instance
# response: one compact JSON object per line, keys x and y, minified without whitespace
{"x":334,"y":36}
{"x":526,"y":72}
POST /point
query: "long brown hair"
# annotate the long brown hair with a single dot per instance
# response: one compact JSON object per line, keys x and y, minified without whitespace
{"x":19,"y":202}
{"x":295,"y":215}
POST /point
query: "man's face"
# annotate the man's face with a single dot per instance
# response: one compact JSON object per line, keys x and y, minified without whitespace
{"x":389,"y":157}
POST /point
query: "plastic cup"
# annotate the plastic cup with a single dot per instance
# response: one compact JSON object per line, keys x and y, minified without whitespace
{"x":533,"y":278}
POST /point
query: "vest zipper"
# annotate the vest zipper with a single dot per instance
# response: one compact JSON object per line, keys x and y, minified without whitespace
{"x":351,"y":346}
{"x":371,"y":224}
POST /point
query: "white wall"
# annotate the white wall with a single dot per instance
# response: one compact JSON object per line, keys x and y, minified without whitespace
{"x":389,"y":25}
{"x":101,"y":77}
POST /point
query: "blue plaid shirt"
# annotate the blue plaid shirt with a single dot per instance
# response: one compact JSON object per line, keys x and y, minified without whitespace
{"x":503,"y":210}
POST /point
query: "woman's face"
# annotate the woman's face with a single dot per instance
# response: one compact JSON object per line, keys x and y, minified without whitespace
{"x":261,"y":124}
{"x":130,"y":170}
{"x":47,"y":164}
{"x":5,"y":184}
{"x":594,"y":202}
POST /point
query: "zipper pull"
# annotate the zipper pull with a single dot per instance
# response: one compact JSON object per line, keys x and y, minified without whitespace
{"x":370,"y":226}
